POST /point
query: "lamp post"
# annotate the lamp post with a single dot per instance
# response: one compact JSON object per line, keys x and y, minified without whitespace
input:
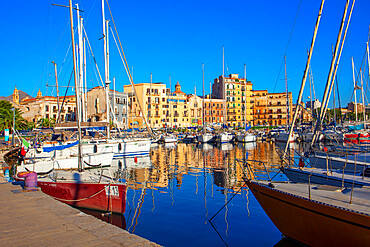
{"x":13,"y":109}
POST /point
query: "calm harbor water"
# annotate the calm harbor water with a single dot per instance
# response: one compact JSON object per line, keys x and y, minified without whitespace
{"x":175,"y":192}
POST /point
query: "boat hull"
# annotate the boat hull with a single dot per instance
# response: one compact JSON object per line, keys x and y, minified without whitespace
{"x":311,"y":222}
{"x":95,"y":196}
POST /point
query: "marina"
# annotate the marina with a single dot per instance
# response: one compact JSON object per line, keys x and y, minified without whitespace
{"x":100,"y":157}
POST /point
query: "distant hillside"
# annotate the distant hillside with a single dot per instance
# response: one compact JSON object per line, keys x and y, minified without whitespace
{"x":22,"y":95}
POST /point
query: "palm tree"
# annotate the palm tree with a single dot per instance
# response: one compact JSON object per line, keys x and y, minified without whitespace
{"x":46,"y":123}
{"x":6,"y":116}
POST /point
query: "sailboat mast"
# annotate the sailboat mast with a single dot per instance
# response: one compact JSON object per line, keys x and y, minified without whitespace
{"x":311,"y":100}
{"x":170,"y":102}
{"x":76,"y":91}
{"x":106,"y":66}
{"x":210,"y":106}
{"x":304,"y":75}
{"x":362,"y":92}
{"x":150,"y":100}
{"x":81,"y":60}
{"x":56,"y":83}
{"x":224,"y":83}
{"x":354,"y":87}
{"x":287,"y":95}
{"x":245,"y":96}
{"x":332,"y":72}
{"x":203,"y":98}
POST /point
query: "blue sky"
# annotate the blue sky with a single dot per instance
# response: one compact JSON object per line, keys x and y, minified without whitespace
{"x":175,"y":37}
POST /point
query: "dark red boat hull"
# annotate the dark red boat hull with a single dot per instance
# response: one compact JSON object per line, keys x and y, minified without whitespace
{"x":95,"y":196}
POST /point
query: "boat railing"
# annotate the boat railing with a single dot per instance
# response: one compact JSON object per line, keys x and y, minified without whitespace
{"x":253,"y":171}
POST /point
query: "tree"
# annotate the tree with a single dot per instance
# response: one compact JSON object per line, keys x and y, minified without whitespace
{"x":6,"y":116}
{"x":46,"y":123}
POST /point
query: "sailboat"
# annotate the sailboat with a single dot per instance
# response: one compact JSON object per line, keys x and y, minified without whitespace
{"x":81,"y":188}
{"x":205,"y":136}
{"x":224,"y":136}
{"x":313,"y":214}
{"x":245,"y":136}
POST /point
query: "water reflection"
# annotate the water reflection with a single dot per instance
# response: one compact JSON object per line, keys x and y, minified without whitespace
{"x":181,"y":187}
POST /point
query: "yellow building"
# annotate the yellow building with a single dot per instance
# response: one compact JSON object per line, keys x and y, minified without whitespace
{"x":279,"y":111}
{"x":260,"y":111}
{"x":160,"y":106}
{"x":237,"y":92}
{"x":153,"y":100}
{"x":178,"y":116}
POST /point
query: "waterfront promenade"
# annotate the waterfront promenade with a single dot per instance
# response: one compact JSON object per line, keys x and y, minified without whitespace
{"x":36,"y":219}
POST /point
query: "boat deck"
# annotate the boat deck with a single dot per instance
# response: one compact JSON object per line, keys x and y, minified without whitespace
{"x":332,"y":195}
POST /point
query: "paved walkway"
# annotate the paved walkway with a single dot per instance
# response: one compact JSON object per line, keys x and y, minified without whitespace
{"x":35,"y":219}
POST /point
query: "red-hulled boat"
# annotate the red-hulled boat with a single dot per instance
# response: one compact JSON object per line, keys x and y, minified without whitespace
{"x":83,"y":189}
{"x":325,"y":220}
{"x":96,"y":196}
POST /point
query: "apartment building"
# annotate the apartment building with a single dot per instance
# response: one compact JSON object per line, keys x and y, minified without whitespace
{"x":237,"y":94}
{"x":213,"y":111}
{"x":178,"y":110}
{"x":153,"y":100}
{"x":280,"y":109}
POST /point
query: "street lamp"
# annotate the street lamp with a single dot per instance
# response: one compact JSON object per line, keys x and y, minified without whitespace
{"x":13,"y":109}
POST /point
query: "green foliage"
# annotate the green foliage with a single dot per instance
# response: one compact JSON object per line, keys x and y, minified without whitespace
{"x":46,"y":123}
{"x":6,"y":117}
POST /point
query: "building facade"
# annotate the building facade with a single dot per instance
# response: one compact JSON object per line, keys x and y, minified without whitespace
{"x":96,"y":109}
{"x":237,"y":95}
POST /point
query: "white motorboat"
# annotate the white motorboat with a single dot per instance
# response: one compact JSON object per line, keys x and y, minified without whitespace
{"x":245,"y":137}
{"x":63,"y":163}
{"x":205,"y":137}
{"x":224,"y":137}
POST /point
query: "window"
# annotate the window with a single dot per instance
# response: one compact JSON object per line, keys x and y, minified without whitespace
{"x":46,"y":108}
{"x":148,"y":91}
{"x":163,"y":100}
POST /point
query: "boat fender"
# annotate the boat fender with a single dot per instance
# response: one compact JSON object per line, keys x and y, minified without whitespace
{"x":119,"y":165}
{"x":23,"y":152}
{"x":119,"y":146}
{"x":271,"y":185}
{"x":301,"y":162}
{"x":135,"y":159}
{"x":95,"y":148}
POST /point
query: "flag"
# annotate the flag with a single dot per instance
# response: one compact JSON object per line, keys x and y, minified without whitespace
{"x":25,"y":143}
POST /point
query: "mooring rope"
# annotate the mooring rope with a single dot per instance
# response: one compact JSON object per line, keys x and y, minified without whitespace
{"x":82,"y":199}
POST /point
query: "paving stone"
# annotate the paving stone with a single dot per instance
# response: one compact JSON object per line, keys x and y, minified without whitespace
{"x":35,"y":219}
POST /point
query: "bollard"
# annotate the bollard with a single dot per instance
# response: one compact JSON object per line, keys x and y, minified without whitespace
{"x":30,"y":179}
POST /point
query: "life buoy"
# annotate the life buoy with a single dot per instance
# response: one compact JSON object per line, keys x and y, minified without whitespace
{"x":325,"y":149}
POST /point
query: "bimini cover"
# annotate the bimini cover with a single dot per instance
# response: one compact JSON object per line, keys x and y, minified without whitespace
{"x":356,"y":127}
{"x":61,"y":147}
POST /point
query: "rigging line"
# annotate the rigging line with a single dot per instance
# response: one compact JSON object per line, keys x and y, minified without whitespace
{"x":286,"y":48}
{"x":88,"y":42}
{"x":120,"y":54}
{"x":60,"y":109}
{"x":227,"y":202}
{"x":130,"y":75}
